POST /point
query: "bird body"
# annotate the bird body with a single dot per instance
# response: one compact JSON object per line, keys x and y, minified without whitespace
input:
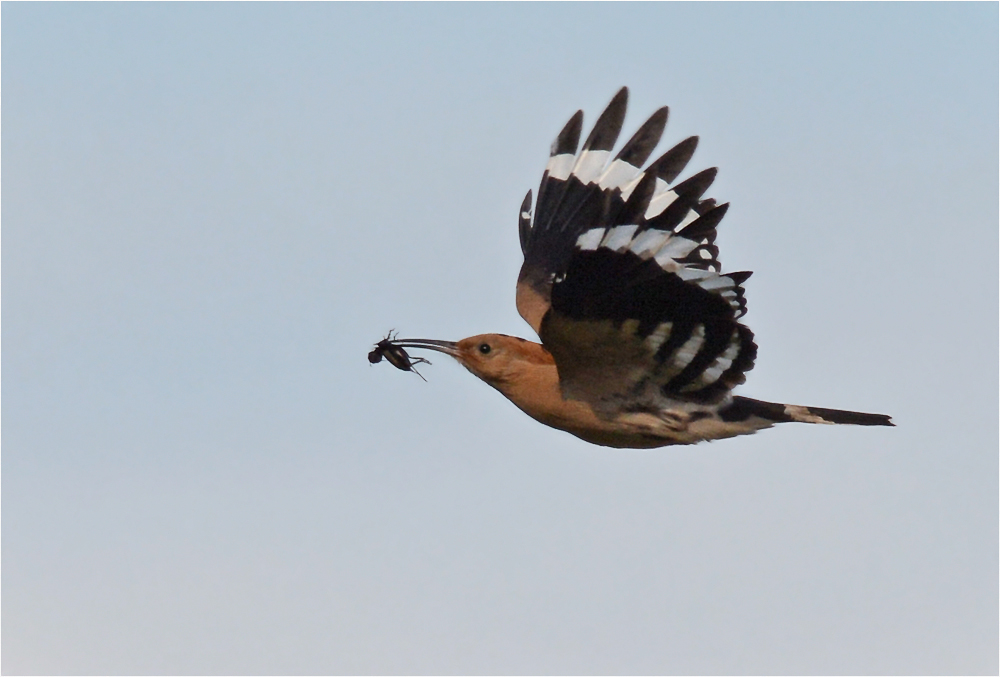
{"x":642,"y":342}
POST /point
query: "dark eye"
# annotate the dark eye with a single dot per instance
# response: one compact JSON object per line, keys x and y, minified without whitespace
{"x":484,"y":348}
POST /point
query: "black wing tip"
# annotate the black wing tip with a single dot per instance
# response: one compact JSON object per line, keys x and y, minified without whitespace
{"x":657,"y":121}
{"x":704,"y":226}
{"x":660,"y":116}
{"x":695,"y":186}
{"x":714,"y":214}
{"x":645,"y":139}
{"x":569,"y":136}
{"x":689,"y":144}
{"x":673,"y":162}
{"x":605,"y":132}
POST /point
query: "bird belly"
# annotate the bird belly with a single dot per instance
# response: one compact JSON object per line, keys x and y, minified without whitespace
{"x":644,"y":430}
{"x":626,"y":431}
{"x":647,"y":430}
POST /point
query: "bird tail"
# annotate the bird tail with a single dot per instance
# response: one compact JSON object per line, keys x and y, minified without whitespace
{"x":743,"y":408}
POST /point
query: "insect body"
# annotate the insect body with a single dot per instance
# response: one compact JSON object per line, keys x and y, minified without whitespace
{"x":396,"y":355}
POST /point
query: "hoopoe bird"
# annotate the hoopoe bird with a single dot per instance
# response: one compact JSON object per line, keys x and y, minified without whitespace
{"x":642,"y":342}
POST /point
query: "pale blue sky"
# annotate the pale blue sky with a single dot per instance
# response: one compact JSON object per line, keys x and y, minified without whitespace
{"x":210,"y":213}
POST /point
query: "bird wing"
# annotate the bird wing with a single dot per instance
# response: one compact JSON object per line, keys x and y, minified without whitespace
{"x":621,"y":277}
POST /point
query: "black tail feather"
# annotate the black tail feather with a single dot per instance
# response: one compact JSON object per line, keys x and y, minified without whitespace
{"x":850,"y":417}
{"x":743,"y":408}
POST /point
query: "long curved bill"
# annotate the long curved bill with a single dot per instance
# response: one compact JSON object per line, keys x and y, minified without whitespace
{"x":446,"y":347}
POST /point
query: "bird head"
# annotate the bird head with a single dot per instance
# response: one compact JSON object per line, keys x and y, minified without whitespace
{"x":494,"y":358}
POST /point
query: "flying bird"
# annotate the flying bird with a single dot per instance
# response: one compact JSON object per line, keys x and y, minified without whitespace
{"x":641,"y":335}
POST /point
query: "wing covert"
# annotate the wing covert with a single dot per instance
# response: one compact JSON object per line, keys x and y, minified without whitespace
{"x":628,"y":335}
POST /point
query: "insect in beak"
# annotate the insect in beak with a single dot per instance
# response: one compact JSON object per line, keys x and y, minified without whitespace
{"x":394,"y":351}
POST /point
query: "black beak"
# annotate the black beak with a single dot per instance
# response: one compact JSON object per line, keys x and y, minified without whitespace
{"x":446,"y":347}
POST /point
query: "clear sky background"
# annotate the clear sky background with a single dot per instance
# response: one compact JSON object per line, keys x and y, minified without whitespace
{"x":211,"y":212}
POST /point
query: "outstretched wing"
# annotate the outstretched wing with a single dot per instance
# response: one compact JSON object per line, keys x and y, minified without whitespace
{"x":621,"y":277}
{"x":581,"y":191}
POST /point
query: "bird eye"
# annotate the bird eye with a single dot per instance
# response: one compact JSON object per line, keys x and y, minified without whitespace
{"x":484,"y":348}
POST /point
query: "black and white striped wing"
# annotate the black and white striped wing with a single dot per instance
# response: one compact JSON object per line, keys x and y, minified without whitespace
{"x":628,"y":335}
{"x":584,"y":190}
{"x":621,"y":277}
